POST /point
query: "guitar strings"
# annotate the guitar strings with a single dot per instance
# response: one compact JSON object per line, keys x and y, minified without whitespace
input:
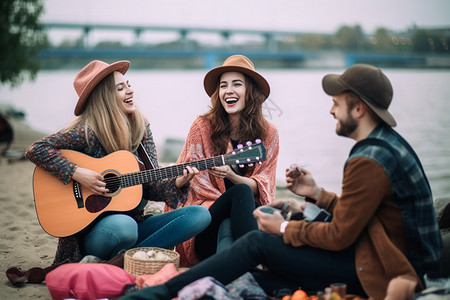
{"x":141,"y":177}
{"x":160,"y":173}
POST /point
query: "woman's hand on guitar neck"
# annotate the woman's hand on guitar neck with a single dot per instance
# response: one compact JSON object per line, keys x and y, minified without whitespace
{"x":188,"y":174}
{"x":90,"y":180}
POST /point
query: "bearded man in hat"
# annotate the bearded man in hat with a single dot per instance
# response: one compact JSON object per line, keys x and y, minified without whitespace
{"x":383,"y":225}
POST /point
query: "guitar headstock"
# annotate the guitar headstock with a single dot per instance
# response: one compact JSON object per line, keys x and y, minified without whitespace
{"x":249,"y":154}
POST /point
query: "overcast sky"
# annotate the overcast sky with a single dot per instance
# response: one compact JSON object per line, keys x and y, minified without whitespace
{"x":324,"y":16}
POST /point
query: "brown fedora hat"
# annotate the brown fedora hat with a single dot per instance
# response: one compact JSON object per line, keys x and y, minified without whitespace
{"x":91,"y":75}
{"x":235,"y":63}
{"x":369,"y":83}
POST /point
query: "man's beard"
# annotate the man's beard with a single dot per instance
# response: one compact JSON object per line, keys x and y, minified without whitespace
{"x":347,"y":126}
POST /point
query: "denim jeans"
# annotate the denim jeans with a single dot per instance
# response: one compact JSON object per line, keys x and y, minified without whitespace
{"x":118,"y":231}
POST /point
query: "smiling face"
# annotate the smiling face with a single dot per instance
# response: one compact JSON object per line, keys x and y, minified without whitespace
{"x":346,"y":123}
{"x":232,"y":92}
{"x":124,"y":93}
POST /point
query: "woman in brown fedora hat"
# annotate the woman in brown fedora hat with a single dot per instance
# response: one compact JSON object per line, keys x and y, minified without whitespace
{"x":231,"y":193}
{"x":108,"y":121}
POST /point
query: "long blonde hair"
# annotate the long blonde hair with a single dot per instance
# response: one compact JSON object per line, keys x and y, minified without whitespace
{"x":115,"y":129}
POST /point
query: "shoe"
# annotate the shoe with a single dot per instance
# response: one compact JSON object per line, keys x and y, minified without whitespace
{"x":34,"y":275}
{"x":16,"y":276}
{"x":117,"y":260}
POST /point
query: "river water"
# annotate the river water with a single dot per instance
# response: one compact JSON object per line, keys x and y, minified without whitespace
{"x":297,"y":107}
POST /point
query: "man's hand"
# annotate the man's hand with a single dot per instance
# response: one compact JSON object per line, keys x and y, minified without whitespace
{"x":269,"y":223}
{"x":295,"y":206}
{"x":302,"y":183}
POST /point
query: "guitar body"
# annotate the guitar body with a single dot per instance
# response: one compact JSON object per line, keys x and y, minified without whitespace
{"x":65,"y":209}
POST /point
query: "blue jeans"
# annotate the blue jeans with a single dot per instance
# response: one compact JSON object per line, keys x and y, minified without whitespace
{"x":117,"y":232}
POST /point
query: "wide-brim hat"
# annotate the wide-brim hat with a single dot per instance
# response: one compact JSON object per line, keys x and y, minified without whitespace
{"x":235,"y":63}
{"x":369,"y":83}
{"x":91,"y":75}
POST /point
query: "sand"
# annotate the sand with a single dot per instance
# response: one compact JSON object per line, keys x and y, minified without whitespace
{"x":23,"y":243}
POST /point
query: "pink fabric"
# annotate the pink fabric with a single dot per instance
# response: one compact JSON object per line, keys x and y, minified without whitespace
{"x":162,"y":276}
{"x":87,"y":281}
{"x":205,"y":189}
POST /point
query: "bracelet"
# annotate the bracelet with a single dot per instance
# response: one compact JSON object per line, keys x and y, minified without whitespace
{"x":283,"y":226}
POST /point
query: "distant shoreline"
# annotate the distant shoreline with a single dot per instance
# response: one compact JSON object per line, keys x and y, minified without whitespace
{"x":76,"y":59}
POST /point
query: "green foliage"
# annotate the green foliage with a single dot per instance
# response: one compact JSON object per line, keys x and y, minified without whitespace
{"x":350,"y":38}
{"x":383,"y":41}
{"x":21,"y":38}
{"x":426,"y":41}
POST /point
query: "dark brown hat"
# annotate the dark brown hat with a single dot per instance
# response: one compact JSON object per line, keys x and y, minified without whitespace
{"x":91,"y":75}
{"x":369,"y":83}
{"x":235,"y":63}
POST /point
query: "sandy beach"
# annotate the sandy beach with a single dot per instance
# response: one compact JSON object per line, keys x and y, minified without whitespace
{"x":23,"y":243}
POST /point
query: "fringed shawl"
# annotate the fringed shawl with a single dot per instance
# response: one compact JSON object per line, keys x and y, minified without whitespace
{"x":205,"y":188}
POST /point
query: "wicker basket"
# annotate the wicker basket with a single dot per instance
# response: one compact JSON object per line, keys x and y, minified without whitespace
{"x":137,"y":267}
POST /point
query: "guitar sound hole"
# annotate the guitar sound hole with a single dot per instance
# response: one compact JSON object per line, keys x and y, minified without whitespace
{"x":112,"y":182}
{"x":95,"y":203}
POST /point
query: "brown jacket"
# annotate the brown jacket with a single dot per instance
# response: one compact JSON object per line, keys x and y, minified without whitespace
{"x":363,"y":215}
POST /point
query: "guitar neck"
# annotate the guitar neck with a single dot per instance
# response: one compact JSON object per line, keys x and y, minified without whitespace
{"x":147,"y":176}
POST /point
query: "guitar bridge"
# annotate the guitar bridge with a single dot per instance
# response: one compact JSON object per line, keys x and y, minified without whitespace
{"x":77,"y":194}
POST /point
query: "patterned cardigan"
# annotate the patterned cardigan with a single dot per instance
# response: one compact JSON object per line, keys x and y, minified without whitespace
{"x":205,"y":188}
{"x":44,"y":154}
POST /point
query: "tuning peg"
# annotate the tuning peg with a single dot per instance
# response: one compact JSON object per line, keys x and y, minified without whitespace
{"x":240,"y":146}
{"x":248,"y":143}
{"x":258,"y":141}
{"x":237,"y":161}
{"x":250,"y":165}
{"x":260,"y":162}
{"x":241,"y":166}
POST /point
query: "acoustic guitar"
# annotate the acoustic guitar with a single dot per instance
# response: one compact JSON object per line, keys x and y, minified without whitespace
{"x":66,"y":209}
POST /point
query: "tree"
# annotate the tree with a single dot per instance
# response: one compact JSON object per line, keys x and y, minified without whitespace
{"x":383,"y":40}
{"x":21,"y":38}
{"x":350,"y":38}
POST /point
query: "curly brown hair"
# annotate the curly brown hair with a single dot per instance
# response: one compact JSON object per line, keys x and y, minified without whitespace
{"x":252,"y":125}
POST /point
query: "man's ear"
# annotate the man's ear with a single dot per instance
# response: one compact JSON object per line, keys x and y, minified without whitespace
{"x":360,"y":108}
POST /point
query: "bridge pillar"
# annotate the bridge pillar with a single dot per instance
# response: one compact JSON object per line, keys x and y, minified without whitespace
{"x":184,"y":41}
{"x":226,"y":37}
{"x":86,"y":31}
{"x":137,"y":36}
{"x":271,"y":43}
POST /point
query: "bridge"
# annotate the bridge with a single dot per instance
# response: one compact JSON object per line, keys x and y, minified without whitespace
{"x":269,"y":49}
{"x":267,"y":52}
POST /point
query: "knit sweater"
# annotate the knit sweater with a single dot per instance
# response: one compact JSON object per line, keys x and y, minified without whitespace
{"x":44,"y":154}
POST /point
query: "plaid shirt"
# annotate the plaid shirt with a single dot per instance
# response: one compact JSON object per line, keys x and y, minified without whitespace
{"x":411,"y":193}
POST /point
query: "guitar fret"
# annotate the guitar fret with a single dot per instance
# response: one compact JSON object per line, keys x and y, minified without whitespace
{"x":171,"y":171}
